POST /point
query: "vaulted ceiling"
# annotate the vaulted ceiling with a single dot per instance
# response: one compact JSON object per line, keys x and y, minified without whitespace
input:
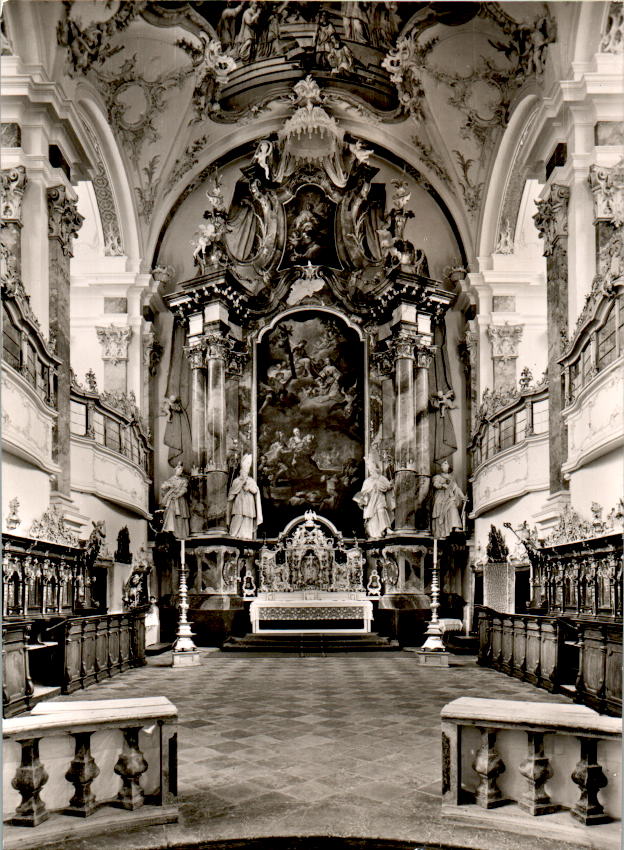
{"x":430,"y":84}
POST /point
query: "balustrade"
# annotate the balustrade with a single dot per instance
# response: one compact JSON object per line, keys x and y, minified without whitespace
{"x":533,"y":777}
{"x":58,"y":752}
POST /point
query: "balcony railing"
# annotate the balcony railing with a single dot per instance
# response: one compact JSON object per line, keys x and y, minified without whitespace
{"x":24,"y":348}
{"x":110,"y":420}
{"x":506,"y":420}
{"x":569,"y":761}
{"x":129,"y":746}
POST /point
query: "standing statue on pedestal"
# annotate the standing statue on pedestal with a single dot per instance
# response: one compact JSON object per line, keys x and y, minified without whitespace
{"x":175,"y":504}
{"x":244,"y":505}
{"x":376,"y":498}
{"x":447,"y":500}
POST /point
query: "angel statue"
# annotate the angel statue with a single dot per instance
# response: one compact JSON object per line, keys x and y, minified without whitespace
{"x":173,"y":495}
{"x":447,"y":500}
{"x":244,"y":505}
{"x":376,"y":498}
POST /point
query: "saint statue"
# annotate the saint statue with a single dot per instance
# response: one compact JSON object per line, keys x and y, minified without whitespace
{"x":244,"y":505}
{"x":447,"y":500}
{"x":376,"y":498}
{"x":174,"y":500}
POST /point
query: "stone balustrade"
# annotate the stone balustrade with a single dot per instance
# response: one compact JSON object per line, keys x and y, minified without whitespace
{"x":524,"y":760}
{"x":85,"y":758}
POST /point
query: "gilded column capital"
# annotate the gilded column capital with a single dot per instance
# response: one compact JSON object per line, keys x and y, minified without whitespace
{"x":504,"y":340}
{"x":403,"y":344}
{"x":196,"y":354}
{"x":218,"y":346}
{"x":114,"y":340}
{"x":424,"y":356}
{"x":64,"y":220}
{"x":607,"y":186}
{"x":551,"y":218}
{"x":13,"y":186}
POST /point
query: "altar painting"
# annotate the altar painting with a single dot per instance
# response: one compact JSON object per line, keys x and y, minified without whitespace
{"x":310,"y":421}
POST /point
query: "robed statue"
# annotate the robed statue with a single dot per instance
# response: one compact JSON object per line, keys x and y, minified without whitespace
{"x":447,"y":501}
{"x":376,"y":498}
{"x":173,"y":497}
{"x":244,"y":505}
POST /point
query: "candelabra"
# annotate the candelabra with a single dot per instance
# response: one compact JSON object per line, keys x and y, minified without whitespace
{"x":432,"y":651}
{"x":185,"y":652}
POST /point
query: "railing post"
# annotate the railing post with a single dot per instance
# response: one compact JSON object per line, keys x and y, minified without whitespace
{"x":590,"y":779}
{"x":130,"y":765}
{"x":488,"y":765}
{"x":82,"y":771}
{"x":30,"y":777}
{"x":537,"y":771}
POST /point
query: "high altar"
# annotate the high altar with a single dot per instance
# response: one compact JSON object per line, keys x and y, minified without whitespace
{"x":307,"y":387}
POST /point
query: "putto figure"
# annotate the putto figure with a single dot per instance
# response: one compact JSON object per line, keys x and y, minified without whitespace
{"x":376,"y":498}
{"x":447,"y":500}
{"x":173,"y":495}
{"x":244,"y":504}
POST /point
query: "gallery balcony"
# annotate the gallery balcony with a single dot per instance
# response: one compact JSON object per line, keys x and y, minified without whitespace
{"x":593,"y":373}
{"x":110,"y":448}
{"x":510,"y":448}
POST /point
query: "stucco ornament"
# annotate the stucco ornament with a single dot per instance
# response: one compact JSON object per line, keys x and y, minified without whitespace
{"x":607,"y":185}
{"x":114,"y":341}
{"x":504,"y":340}
{"x":13,"y":186}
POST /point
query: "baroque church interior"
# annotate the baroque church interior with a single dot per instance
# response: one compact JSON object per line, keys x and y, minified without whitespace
{"x":312,"y":423}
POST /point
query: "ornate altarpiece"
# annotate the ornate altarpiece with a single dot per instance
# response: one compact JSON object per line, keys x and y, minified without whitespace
{"x":308,"y":336}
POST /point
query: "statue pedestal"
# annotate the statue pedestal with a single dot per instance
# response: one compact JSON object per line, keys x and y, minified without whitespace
{"x":188,"y":658}
{"x":432,"y":657}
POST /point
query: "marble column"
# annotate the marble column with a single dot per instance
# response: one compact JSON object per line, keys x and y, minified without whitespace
{"x":64,"y":222}
{"x":13,"y":186}
{"x":196,"y":357}
{"x":114,"y":340}
{"x":217,"y":349}
{"x":504,"y":340}
{"x":424,"y":356}
{"x":551,"y":221}
{"x":404,"y":347}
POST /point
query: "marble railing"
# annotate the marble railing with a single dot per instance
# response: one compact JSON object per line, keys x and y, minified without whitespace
{"x":87,"y":757}
{"x":522,"y":758}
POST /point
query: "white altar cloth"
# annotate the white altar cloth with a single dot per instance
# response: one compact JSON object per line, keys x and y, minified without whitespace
{"x":267,"y":611}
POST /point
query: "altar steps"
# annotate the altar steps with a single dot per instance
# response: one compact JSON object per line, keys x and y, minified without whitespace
{"x":310,"y":644}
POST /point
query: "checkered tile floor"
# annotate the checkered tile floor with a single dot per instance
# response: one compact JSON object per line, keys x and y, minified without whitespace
{"x":268,"y":742}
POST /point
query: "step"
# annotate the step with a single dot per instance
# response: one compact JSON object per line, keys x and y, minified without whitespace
{"x":307,"y":643}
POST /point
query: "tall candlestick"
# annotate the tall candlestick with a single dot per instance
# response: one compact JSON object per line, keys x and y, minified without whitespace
{"x":185,"y":652}
{"x":434,"y":629}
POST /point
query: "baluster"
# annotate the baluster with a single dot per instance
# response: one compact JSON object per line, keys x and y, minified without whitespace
{"x":109,"y":658}
{"x":488,"y":765}
{"x":82,"y":771}
{"x":537,"y":771}
{"x":590,"y":779}
{"x":30,"y":777}
{"x":130,"y":765}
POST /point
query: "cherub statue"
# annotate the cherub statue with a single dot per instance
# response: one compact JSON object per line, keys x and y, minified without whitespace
{"x":262,"y":157}
{"x":402,"y":194}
